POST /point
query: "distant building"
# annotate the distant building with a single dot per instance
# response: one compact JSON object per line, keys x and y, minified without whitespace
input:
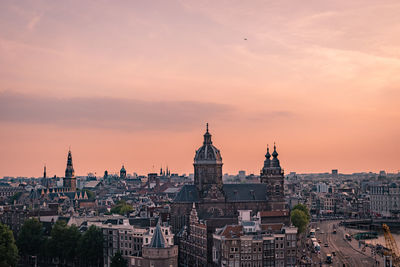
{"x":242,"y":175}
{"x":385,"y":199}
{"x":335,"y":173}
{"x":322,"y":188}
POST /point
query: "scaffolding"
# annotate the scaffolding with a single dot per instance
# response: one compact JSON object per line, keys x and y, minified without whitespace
{"x":391,"y":246}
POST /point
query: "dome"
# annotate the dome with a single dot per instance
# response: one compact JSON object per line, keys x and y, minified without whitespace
{"x":208,"y":153}
{"x":275,"y":161}
{"x":123,"y":169}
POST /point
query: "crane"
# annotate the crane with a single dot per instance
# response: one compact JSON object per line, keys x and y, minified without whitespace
{"x":391,"y":245}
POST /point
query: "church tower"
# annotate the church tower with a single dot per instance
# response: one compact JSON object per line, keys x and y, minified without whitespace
{"x":122,"y":173}
{"x":208,"y":169}
{"x":70,"y":180}
{"x":272,"y":175}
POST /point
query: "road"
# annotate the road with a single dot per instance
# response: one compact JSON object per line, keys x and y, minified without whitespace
{"x":346,"y":255}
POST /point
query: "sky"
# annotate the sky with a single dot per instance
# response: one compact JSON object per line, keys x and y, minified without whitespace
{"x":135,"y":82}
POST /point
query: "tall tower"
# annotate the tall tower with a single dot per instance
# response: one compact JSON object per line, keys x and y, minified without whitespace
{"x":122,"y":173}
{"x":69,"y":179}
{"x":208,"y":168}
{"x":272,"y":175}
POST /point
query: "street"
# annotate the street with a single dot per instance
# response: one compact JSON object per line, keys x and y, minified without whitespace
{"x":346,"y":254}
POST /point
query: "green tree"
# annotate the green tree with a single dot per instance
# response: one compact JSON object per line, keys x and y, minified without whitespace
{"x":121,"y":208}
{"x":90,"y":247}
{"x":30,"y":238}
{"x":299,"y":219}
{"x":118,"y":261}
{"x":63,"y":242}
{"x":8,"y":249}
{"x":304,"y":209}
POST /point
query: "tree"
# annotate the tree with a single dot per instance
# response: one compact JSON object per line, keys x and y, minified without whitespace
{"x":121,"y":208}
{"x":64,"y":241}
{"x":118,"y":261}
{"x":299,"y":219}
{"x":304,"y":209}
{"x":30,"y":238}
{"x":90,"y":247}
{"x":8,"y":249}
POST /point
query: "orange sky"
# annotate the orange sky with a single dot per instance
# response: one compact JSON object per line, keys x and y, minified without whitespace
{"x":134,"y":82}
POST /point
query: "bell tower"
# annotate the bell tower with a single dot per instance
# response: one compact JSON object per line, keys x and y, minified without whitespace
{"x":208,"y":169}
{"x":69,"y":179}
{"x":272,"y":175}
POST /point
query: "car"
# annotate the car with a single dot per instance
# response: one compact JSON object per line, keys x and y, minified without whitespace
{"x":322,"y":232}
{"x":334,"y":253}
{"x":326,"y":245}
{"x":319,"y":240}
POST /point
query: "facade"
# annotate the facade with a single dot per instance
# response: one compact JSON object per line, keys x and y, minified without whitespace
{"x":249,"y":244}
{"x":121,"y":237}
{"x":217,"y":204}
{"x":140,"y":246}
{"x":160,"y":252}
{"x":193,"y":242}
{"x":385,"y":199}
{"x":7,"y":190}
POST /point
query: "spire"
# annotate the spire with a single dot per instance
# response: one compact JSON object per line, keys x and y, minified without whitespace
{"x":275,"y":154}
{"x":207,"y":136}
{"x":267,"y":161}
{"x":275,"y":160}
{"x":69,"y":160}
{"x":158,"y":239}
{"x":44,"y":171}
{"x":193,"y":215}
{"x":268,"y":156}
{"x":69,"y":171}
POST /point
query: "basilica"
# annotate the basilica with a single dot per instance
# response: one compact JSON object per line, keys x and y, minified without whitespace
{"x":218,"y":204}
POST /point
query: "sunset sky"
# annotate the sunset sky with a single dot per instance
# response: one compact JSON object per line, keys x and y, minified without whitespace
{"x":134,"y":83}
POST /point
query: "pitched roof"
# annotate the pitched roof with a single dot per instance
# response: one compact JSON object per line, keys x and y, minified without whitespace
{"x":158,"y":239}
{"x":274,"y":213}
{"x":232,"y":192}
{"x":230,"y":231}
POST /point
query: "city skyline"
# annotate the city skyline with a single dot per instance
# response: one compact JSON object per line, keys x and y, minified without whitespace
{"x":134,"y":83}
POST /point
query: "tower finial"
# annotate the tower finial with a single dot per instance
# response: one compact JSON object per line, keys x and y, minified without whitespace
{"x":207,"y":126}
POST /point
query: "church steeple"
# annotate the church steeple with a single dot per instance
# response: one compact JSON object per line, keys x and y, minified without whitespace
{"x":44,"y":172}
{"x":207,"y":166}
{"x":275,"y":161}
{"x":267,"y":161}
{"x":69,"y":179}
{"x":69,"y":171}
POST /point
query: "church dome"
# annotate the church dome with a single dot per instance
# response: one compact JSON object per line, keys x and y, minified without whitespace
{"x":208,"y":153}
{"x":123,"y":169}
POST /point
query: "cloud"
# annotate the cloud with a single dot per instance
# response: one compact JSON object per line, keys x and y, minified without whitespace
{"x":33,"y":22}
{"x":112,"y":113}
